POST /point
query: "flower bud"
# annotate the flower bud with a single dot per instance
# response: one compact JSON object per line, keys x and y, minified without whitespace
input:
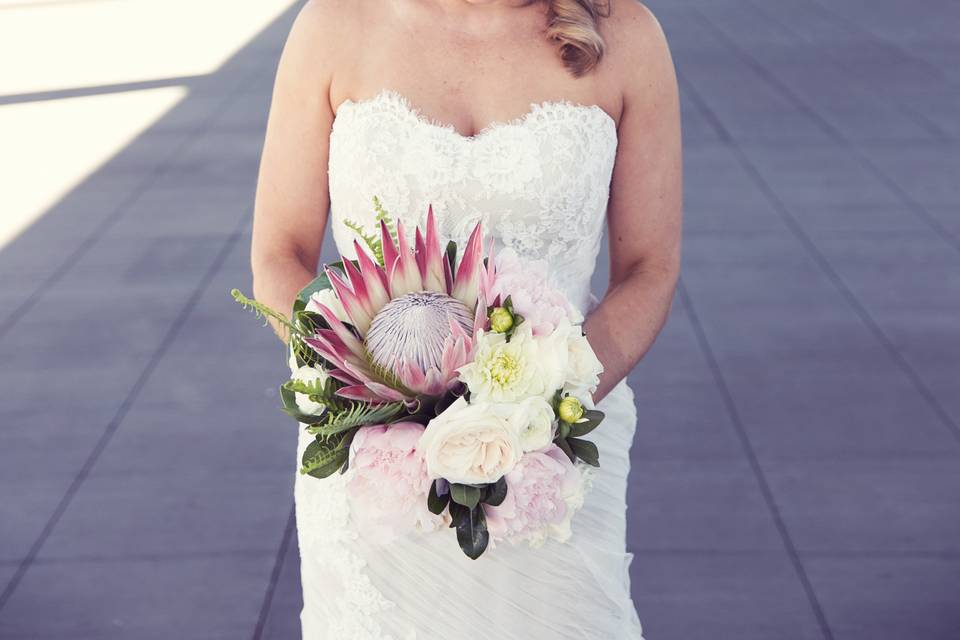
{"x":501,"y":320}
{"x":570,"y":409}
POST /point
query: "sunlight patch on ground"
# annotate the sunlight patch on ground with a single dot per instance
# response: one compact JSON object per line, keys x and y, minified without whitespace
{"x":51,"y":146}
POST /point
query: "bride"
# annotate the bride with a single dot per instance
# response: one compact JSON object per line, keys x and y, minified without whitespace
{"x":541,"y":119}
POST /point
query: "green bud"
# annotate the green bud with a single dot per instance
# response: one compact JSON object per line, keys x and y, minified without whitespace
{"x":501,"y":320}
{"x":570,"y":409}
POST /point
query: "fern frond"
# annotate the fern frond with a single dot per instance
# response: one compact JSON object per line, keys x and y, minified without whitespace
{"x":371,"y":240}
{"x":381,"y":215}
{"x":261,"y":310}
{"x":357,"y":415}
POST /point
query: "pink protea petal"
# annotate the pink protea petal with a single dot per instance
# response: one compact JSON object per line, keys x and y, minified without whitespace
{"x":342,"y":332}
{"x":343,"y":377}
{"x":359,"y":392}
{"x":374,"y":276}
{"x":351,"y":304}
{"x":389,"y":249}
{"x":404,"y":276}
{"x":386,"y":392}
{"x":346,"y":350}
{"x":359,"y":287}
{"x":467,"y":282}
{"x":410,"y":375}
{"x":432,"y":270}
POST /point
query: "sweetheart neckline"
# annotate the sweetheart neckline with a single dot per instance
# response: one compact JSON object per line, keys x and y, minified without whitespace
{"x":535,"y":107}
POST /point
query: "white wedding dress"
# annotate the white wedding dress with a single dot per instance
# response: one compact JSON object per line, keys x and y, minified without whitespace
{"x":539,"y":184}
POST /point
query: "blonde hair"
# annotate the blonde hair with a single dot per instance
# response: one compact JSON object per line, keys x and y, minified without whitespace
{"x":574,"y":25}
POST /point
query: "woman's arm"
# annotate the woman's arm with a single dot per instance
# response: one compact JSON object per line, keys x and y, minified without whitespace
{"x":292,"y":199}
{"x":645,"y":208}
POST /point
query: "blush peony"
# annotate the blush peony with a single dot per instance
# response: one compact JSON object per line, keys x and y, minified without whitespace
{"x":388,"y":484}
{"x":527,"y":284}
{"x":544,"y":490}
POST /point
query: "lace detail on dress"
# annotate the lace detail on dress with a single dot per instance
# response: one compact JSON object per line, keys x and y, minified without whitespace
{"x":539,"y":182}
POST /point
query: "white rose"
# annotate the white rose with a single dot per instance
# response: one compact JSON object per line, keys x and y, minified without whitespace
{"x":552,"y":358}
{"x":473,"y":443}
{"x":328,"y":298}
{"x":309,"y":375}
{"x":534,"y":420}
{"x":583,"y":367}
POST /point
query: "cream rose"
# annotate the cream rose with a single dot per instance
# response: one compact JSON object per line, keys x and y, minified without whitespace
{"x":504,"y":371}
{"x":473,"y":443}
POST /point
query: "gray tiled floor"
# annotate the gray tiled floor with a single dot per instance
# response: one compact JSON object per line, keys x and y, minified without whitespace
{"x":797,"y":462}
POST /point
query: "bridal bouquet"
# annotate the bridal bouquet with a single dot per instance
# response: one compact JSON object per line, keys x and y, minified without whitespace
{"x":453,"y":388}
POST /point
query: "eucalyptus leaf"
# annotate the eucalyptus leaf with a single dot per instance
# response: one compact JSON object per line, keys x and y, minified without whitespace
{"x":437,"y":502}
{"x":496,"y":493}
{"x":471,"y":525}
{"x":591,"y":420}
{"x":465,"y":494}
{"x":585,"y":450}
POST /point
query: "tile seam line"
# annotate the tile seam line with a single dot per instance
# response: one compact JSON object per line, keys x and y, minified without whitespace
{"x":905,"y":109}
{"x":114,"y":424}
{"x":840,"y":285}
{"x":190,"y":138}
{"x":759,"y":476}
{"x":271,"y":590}
{"x":833,"y":132}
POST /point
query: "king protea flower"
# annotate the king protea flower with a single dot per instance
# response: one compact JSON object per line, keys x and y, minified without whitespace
{"x":414,"y":319}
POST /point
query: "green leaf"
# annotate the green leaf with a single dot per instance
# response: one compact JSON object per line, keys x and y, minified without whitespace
{"x":357,"y":415}
{"x":322,"y":459}
{"x":471,"y":525}
{"x":287,"y":397}
{"x":452,"y":256}
{"x":565,"y":447}
{"x":590,"y":421}
{"x":465,"y":494}
{"x":436,"y":503}
{"x":585,"y":450}
{"x":496,"y":493}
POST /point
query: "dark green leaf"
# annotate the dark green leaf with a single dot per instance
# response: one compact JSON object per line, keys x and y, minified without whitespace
{"x":585,"y":450}
{"x":591,"y":420}
{"x":496,"y":493}
{"x":436,"y":502}
{"x":471,"y":525}
{"x":465,"y":494}
{"x":452,"y":256}
{"x":565,"y":447}
{"x":322,"y":459}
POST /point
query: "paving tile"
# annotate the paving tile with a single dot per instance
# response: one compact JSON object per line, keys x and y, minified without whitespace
{"x":716,"y":505}
{"x":283,"y":618}
{"x":887,"y":598}
{"x":869,"y":505}
{"x":205,"y":598}
{"x":173,"y":513}
{"x":25,"y":508}
{"x":824,"y":176}
{"x":753,"y":596}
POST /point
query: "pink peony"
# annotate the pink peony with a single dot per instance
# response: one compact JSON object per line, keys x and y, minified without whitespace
{"x":527,"y":284}
{"x":388,"y":483}
{"x":544,"y":490}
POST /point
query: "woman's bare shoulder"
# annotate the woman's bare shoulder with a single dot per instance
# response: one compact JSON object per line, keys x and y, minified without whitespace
{"x":637,"y":50}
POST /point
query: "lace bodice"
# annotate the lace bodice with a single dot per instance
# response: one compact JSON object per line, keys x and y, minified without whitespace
{"x":539,"y":183}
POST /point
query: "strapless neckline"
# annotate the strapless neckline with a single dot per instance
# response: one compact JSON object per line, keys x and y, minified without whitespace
{"x":399,"y":101}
